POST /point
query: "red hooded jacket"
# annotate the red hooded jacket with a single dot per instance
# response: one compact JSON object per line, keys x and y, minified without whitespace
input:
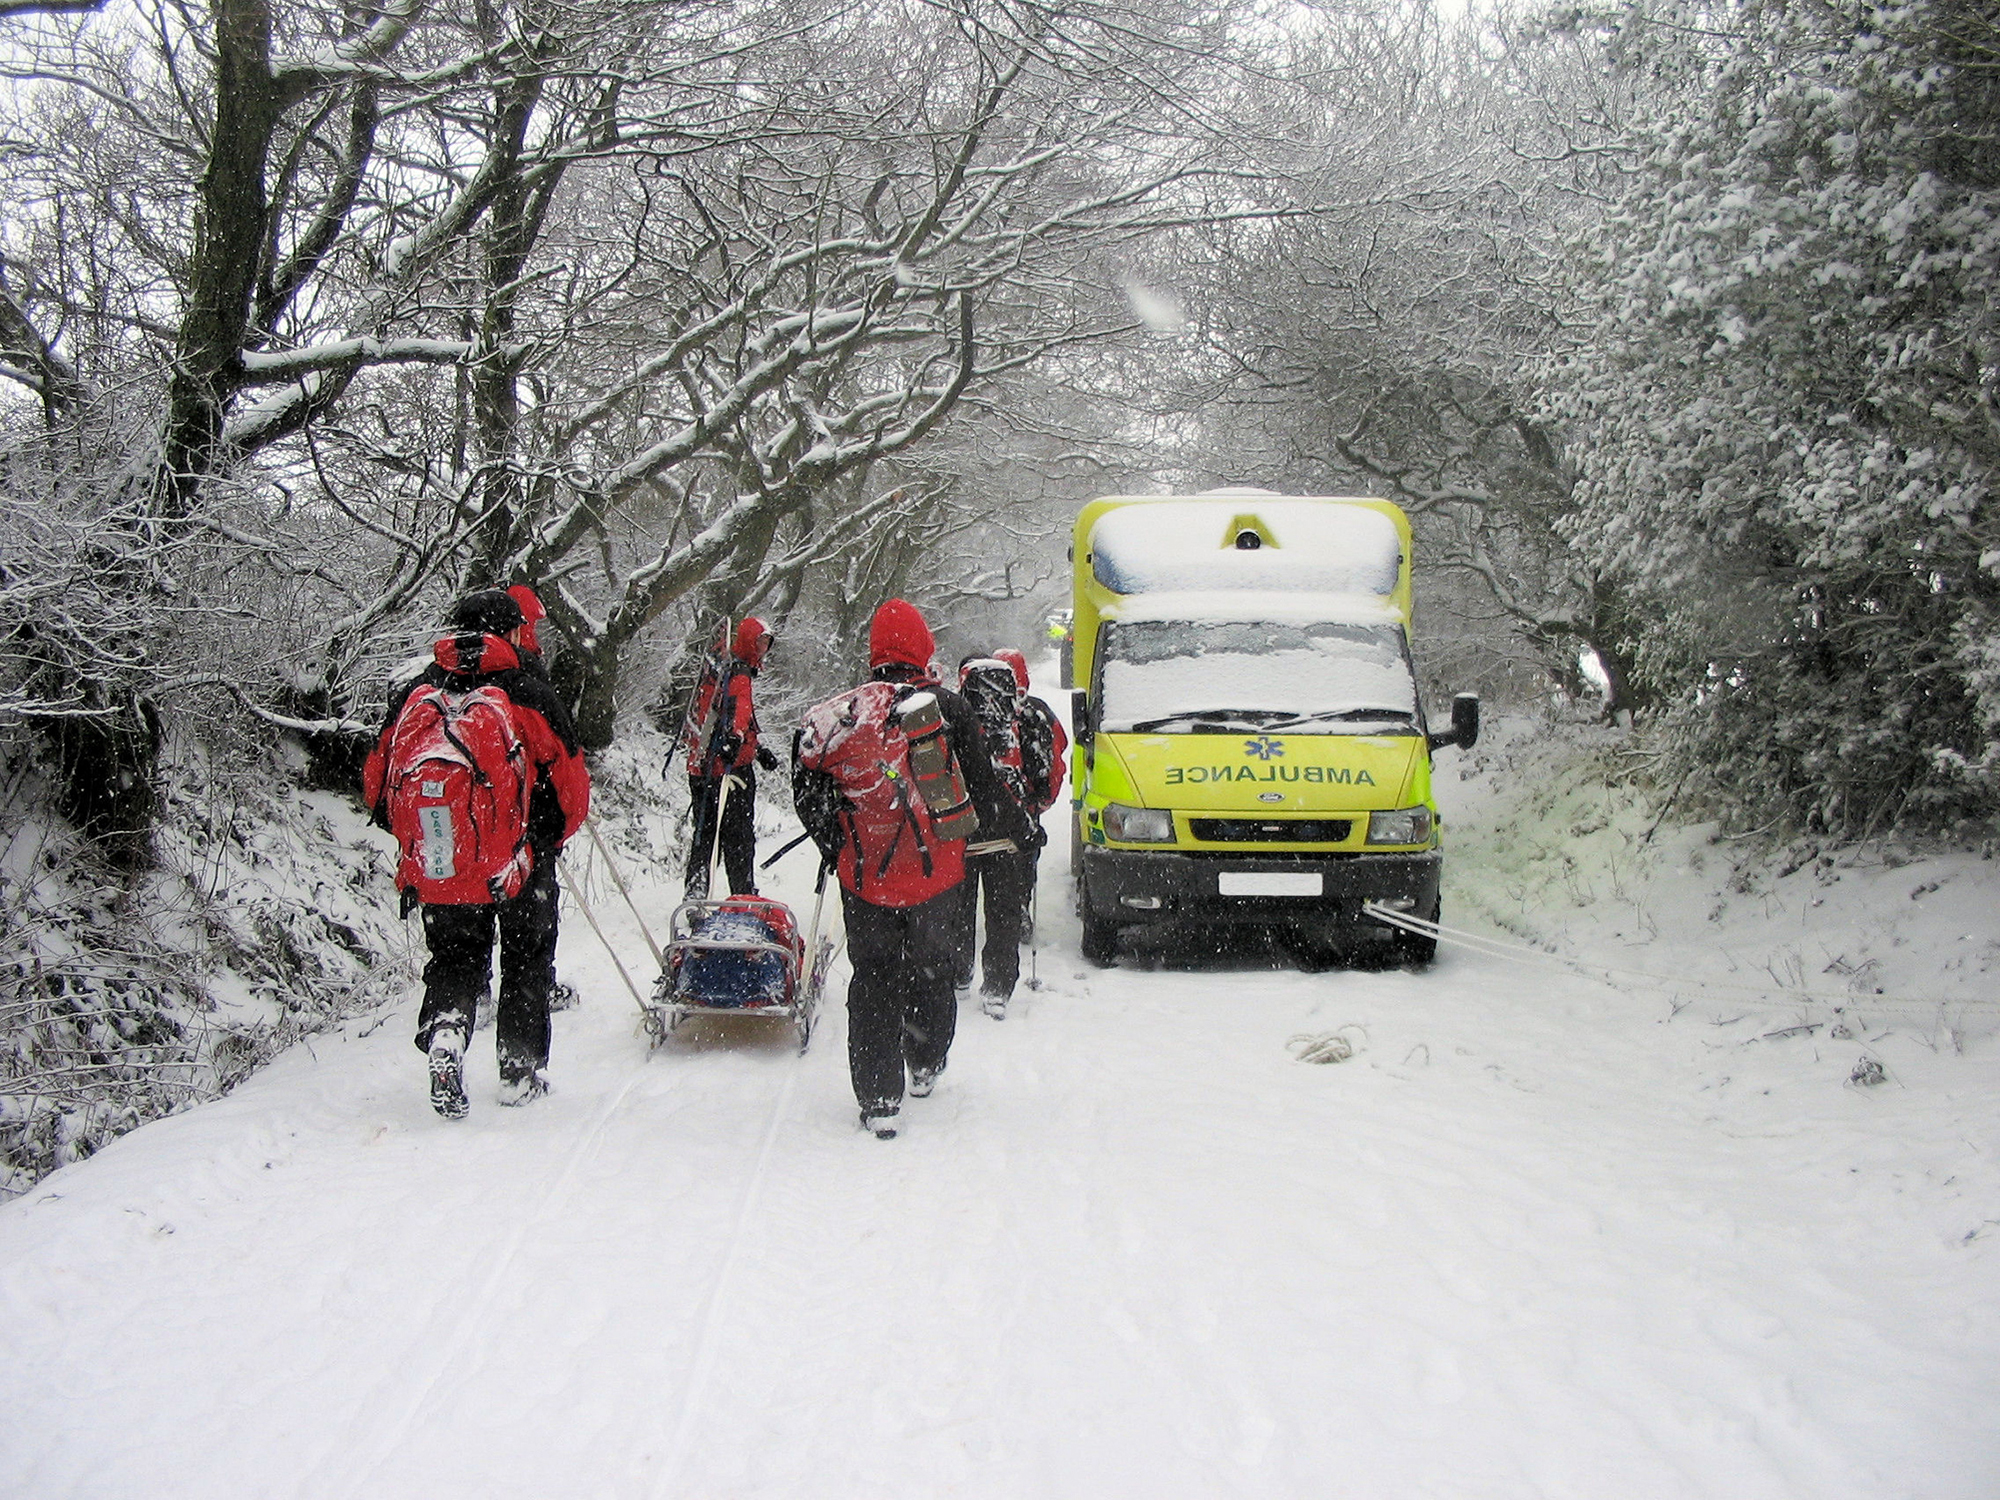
{"x":561,"y":797}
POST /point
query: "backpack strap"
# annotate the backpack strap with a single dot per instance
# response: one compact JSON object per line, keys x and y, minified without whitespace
{"x":909,"y":822}
{"x":444,"y":727}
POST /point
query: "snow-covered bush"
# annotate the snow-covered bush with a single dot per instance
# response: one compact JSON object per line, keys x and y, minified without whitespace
{"x":1785,"y":419}
{"x":267,"y":915}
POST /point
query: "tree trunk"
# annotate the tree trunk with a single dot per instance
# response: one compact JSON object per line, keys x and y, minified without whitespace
{"x":231,"y":226}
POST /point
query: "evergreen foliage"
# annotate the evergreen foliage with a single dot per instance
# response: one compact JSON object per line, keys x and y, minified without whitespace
{"x":1784,"y":416}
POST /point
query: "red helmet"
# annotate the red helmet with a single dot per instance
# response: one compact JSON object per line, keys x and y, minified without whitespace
{"x":753,"y":640}
{"x":1019,"y":663}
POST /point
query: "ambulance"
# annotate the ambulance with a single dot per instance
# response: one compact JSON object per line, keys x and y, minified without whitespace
{"x":1250,"y":744}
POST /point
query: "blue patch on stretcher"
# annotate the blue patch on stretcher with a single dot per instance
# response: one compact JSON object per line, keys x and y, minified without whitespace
{"x":726,"y":978}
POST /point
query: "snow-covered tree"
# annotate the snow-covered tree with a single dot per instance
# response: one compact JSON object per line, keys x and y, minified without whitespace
{"x":1388,"y":339}
{"x":1785,"y":416}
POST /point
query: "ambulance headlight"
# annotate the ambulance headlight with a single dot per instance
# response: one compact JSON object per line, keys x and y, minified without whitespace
{"x":1406,"y":825}
{"x":1138,"y":825}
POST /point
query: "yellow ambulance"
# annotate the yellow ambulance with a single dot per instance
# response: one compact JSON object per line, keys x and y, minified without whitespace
{"x":1250,"y":744}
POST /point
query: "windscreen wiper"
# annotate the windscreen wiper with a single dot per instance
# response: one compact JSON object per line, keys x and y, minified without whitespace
{"x":1256,"y":718}
{"x":1348,"y":716}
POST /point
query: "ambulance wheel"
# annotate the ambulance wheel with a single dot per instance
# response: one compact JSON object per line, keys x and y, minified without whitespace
{"x":1100,"y":940}
{"x":1412,"y":951}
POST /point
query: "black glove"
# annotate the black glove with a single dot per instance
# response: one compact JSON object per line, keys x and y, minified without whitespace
{"x":767,"y":757}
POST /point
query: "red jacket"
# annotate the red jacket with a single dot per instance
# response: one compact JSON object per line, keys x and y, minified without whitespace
{"x":732,"y":735}
{"x":561,"y":799}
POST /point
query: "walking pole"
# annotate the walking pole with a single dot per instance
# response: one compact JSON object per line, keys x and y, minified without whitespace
{"x":766,"y":864}
{"x":619,"y":881}
{"x":576,"y":895}
{"x":1035,"y":940}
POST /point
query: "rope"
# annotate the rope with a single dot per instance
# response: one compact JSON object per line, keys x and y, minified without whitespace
{"x":619,"y":881}
{"x":1334,"y":1046}
{"x":575,"y":892}
{"x":1614,"y":976}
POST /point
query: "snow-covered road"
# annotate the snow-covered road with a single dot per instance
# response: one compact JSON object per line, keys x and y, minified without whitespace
{"x":1533,"y":1240}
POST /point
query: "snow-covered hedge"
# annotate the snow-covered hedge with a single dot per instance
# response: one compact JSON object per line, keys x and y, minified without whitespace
{"x":269,"y":915}
{"x":1785,"y":418}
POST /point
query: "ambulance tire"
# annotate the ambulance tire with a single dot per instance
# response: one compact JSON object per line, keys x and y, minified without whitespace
{"x":1412,"y":951}
{"x":1100,"y":940}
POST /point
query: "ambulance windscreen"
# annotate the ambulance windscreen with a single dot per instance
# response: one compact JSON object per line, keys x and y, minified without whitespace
{"x":1221,"y":676}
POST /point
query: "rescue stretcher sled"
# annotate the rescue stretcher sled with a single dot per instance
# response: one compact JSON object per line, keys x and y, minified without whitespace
{"x":741,"y":956}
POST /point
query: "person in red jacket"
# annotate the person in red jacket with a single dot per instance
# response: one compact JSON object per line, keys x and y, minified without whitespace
{"x":1044,"y":760}
{"x":899,"y":867}
{"x":561,"y":996}
{"x":723,"y":745}
{"x":987,"y":683}
{"x":484,"y":650}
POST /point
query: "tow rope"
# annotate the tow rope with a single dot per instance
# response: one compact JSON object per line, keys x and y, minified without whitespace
{"x":1618,"y":978}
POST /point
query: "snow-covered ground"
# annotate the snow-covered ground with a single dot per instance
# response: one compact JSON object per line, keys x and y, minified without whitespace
{"x":1540,"y":1235}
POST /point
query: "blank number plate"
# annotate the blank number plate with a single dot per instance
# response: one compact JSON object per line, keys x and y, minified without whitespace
{"x":1243,"y":883}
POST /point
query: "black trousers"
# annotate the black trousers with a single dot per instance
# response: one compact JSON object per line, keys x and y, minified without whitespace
{"x":1004,"y":878}
{"x":739,"y":833}
{"x":900,"y":1005}
{"x":461,"y":967}
{"x":1033,"y":856}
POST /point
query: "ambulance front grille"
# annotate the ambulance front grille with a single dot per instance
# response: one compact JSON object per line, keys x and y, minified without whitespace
{"x":1270,"y":830}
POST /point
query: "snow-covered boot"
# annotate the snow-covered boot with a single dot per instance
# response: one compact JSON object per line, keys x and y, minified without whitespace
{"x":447,"y":1066}
{"x":995,"y":1005}
{"x":523,"y":1088}
{"x":879,"y":1120}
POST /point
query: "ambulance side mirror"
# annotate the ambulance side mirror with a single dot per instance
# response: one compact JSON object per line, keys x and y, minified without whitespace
{"x":1081,"y":728}
{"x":1464,"y":731}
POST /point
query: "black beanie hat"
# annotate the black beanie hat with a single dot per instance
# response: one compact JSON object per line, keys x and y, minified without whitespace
{"x":490,"y":611}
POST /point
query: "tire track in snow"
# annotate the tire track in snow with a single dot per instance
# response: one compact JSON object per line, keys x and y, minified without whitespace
{"x":474,"y":1316}
{"x":718,"y":1296}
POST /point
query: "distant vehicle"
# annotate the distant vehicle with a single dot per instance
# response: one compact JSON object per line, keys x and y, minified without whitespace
{"x":1249,"y":741}
{"x":1059,"y":632}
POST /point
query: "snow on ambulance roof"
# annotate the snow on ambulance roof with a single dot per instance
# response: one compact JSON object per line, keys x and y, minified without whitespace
{"x":1311,"y":546}
{"x":1249,"y":606}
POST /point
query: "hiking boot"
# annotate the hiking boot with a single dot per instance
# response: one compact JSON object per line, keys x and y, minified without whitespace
{"x":523,"y":1088}
{"x":562,"y":996}
{"x":880,"y":1122}
{"x":448,"y":1079}
{"x":994,"y":1006}
{"x":923,"y":1080}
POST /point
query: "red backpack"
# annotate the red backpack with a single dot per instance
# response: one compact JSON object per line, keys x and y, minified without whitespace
{"x":892,"y":852}
{"x":457,"y":784}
